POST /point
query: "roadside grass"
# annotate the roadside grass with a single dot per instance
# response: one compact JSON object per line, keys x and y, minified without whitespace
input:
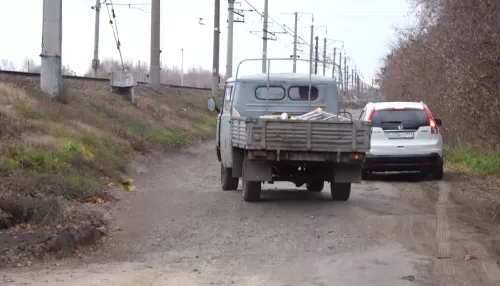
{"x":77,"y":149}
{"x":475,"y":159}
{"x":479,"y":166}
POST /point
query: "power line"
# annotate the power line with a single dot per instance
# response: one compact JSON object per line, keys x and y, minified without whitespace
{"x":115,"y":34}
{"x":274,"y":21}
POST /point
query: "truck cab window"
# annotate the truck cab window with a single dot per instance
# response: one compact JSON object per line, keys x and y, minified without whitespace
{"x":227,"y":97}
{"x":301,"y":93}
{"x":274,"y":93}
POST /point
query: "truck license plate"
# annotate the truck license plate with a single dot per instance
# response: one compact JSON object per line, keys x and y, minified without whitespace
{"x":401,"y":135}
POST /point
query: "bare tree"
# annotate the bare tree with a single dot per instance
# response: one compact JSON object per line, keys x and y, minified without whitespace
{"x":7,"y":65}
{"x":451,"y":60}
{"x":29,"y":65}
{"x":197,"y":77}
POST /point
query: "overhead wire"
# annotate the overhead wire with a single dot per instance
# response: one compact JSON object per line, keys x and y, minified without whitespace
{"x":262,"y":14}
{"x":112,"y":16}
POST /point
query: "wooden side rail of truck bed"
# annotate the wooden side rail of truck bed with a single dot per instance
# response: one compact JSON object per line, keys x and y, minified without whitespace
{"x":324,"y":136}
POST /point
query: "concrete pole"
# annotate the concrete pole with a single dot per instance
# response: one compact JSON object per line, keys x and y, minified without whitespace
{"x":182,"y":67}
{"x":316,"y":57}
{"x":324,"y":57}
{"x":264,"y":37}
{"x":230,"y":20}
{"x":154,"y":65}
{"x":295,"y":43}
{"x":95,"y":62}
{"x":51,"y":68}
{"x":215,"y":58}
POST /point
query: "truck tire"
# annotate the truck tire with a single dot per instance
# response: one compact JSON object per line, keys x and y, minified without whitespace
{"x":227,"y":181}
{"x":315,"y":186}
{"x":251,"y":190}
{"x":340,"y":191}
{"x":438,"y":172}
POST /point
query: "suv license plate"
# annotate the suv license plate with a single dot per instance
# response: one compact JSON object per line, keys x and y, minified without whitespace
{"x":401,"y":135}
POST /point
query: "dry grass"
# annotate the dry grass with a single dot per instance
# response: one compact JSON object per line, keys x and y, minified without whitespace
{"x":75,"y":150}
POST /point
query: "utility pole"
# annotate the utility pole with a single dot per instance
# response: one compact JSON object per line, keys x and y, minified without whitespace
{"x":95,"y":61}
{"x":51,"y":69}
{"x":347,"y":81}
{"x":182,"y":67}
{"x":230,"y":21}
{"x":341,"y":74}
{"x":295,"y":43}
{"x":334,"y":59}
{"x":316,"y":57}
{"x":138,"y":70}
{"x":352,"y":78}
{"x":264,"y":37}
{"x":324,"y":57}
{"x":311,"y":52}
{"x":154,"y":65}
{"x":215,"y":64}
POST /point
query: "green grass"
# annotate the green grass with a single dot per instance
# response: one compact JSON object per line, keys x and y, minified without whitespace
{"x":78,"y":148}
{"x":475,"y":159}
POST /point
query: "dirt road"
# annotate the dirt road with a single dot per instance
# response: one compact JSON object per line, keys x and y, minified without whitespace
{"x":179,"y":228}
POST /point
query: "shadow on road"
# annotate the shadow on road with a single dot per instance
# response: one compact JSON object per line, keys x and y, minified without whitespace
{"x":294,"y":195}
{"x":415,"y":177}
{"x":398,"y":177}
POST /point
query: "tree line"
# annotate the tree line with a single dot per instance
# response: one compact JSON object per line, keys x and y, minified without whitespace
{"x":451,"y":61}
{"x":194,"y":76}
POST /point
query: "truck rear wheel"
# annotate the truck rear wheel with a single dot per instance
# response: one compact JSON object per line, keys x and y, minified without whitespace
{"x":251,"y":190}
{"x":315,"y":186}
{"x":340,"y":191}
{"x":227,"y":181}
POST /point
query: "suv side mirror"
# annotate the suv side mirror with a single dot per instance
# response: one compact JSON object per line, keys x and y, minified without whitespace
{"x":438,"y":121}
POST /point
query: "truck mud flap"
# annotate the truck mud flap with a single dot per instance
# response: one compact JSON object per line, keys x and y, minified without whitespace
{"x":257,"y":170}
{"x":347,"y":173}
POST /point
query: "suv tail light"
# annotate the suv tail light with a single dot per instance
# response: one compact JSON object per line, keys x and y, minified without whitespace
{"x":371,"y":115}
{"x":432,"y":122}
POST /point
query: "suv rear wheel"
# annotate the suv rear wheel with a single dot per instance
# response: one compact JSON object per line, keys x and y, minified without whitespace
{"x":438,"y":172}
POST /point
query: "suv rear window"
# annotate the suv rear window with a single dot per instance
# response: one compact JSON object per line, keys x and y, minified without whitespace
{"x":390,"y":119}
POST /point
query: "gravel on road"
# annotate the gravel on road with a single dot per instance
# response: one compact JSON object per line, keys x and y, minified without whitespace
{"x":179,"y":228}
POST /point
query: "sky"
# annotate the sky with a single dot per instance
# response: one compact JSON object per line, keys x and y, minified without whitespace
{"x":363,"y":28}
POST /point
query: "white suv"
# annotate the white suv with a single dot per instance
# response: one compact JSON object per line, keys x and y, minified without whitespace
{"x":405,"y":137}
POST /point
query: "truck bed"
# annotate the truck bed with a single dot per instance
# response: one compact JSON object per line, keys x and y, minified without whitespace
{"x":300,"y":135}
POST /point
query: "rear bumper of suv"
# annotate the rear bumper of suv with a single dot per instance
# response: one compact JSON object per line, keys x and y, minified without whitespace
{"x":388,"y":163}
